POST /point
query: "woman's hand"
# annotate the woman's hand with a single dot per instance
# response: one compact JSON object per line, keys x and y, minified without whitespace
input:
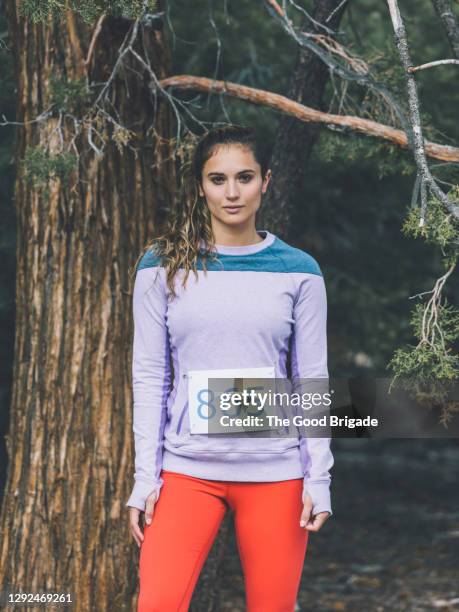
{"x":134,"y":515}
{"x":312,"y":523}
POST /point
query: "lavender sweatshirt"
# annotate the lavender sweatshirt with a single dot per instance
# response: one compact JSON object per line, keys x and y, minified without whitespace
{"x":252,"y":307}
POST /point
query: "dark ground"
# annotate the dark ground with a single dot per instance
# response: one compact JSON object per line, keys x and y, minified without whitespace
{"x":393,"y":540}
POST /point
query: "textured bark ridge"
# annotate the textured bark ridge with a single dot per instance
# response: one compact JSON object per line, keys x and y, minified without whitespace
{"x":64,"y":523}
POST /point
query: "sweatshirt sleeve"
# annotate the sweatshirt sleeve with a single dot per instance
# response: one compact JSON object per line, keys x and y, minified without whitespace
{"x":151,"y":378}
{"x":309,"y":361}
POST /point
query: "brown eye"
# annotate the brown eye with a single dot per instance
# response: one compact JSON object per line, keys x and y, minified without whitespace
{"x":246,"y":178}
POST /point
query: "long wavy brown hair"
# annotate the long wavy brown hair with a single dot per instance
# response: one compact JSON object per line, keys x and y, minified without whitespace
{"x":190,"y":222}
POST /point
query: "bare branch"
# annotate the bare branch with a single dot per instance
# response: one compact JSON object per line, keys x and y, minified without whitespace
{"x":319,"y":25}
{"x":124,"y":49}
{"x":430,"y":326}
{"x":340,"y":67}
{"x":336,"y":10}
{"x":276,"y":7}
{"x":41,"y":117}
{"x":418,"y":145}
{"x":95,"y":34}
{"x":305,"y":113}
{"x":432,"y":64}
{"x":334,"y":47}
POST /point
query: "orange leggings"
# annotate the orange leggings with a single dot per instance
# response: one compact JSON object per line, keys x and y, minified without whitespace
{"x":186,"y":519}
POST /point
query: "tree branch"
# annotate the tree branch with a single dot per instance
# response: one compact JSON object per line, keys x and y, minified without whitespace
{"x":432,"y":64}
{"x":449,"y":21}
{"x":295,"y":140}
{"x":307,"y":114}
{"x":95,"y":34}
{"x":419,"y":147}
{"x":341,"y":67}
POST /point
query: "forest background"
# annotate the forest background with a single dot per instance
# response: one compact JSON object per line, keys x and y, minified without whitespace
{"x":352,"y":195}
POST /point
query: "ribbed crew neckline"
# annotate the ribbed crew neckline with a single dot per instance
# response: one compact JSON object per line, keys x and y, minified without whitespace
{"x":246,"y":249}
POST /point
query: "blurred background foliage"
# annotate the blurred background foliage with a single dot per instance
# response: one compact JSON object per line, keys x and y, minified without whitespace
{"x":357,"y":190}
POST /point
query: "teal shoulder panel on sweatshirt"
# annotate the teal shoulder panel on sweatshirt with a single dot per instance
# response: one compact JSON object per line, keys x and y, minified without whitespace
{"x":149,"y":260}
{"x":278,"y":257}
{"x":295,"y":260}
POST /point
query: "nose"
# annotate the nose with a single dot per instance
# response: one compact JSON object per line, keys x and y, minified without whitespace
{"x":232,"y":190}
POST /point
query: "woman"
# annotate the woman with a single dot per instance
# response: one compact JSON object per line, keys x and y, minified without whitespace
{"x":252,"y":302}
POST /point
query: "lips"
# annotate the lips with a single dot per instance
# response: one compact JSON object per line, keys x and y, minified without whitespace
{"x":232,"y":209}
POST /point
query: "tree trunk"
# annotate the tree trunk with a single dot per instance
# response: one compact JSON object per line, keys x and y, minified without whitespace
{"x":450,"y":23}
{"x":64,"y":522}
{"x":295,"y":139}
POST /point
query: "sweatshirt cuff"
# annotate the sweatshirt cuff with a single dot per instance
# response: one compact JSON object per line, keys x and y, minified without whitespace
{"x":141,"y":491}
{"x":320,"y":495}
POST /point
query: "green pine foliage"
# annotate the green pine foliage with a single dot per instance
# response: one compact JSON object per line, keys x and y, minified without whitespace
{"x":389,"y":159}
{"x":67,"y":95}
{"x":429,"y":369}
{"x":89,"y":10}
{"x":440,"y":226}
{"x":40,"y":167}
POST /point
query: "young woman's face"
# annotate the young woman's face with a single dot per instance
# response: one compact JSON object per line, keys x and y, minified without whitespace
{"x":232,"y":185}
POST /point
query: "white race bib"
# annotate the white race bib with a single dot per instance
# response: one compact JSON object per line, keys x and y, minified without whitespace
{"x":203,"y":397}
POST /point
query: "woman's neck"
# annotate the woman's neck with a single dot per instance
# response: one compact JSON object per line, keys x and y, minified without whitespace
{"x":236,"y":236}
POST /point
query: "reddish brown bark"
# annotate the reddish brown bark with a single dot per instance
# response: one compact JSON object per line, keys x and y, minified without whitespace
{"x":64,"y":523}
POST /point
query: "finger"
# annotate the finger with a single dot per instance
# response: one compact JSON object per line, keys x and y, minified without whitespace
{"x":317,"y":521}
{"x":137,"y":533}
{"x":135,"y":527}
{"x":314,"y":525}
{"x":136,"y":537}
{"x":306,"y":514}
